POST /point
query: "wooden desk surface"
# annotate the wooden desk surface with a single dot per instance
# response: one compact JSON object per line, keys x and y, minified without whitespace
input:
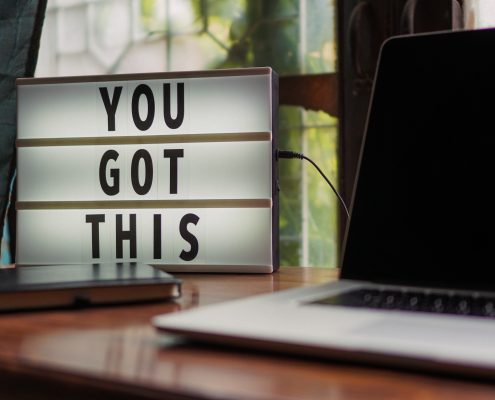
{"x":114,"y":352}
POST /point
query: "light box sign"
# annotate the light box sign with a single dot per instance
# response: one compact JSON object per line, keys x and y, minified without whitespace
{"x":170,"y":169}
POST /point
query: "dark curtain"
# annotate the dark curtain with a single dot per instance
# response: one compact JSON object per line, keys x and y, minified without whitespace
{"x":20,"y":31}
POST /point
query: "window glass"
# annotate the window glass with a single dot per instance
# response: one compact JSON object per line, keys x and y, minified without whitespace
{"x":479,"y":13}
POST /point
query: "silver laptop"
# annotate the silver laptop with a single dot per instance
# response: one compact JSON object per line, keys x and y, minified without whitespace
{"x":417,"y":285}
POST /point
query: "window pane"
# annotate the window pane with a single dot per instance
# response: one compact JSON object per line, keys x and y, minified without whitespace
{"x":479,"y":13}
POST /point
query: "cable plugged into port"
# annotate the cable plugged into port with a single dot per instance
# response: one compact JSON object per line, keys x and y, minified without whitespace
{"x":300,"y":156}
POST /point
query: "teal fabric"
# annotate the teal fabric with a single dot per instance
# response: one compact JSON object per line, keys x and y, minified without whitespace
{"x":20,"y":31}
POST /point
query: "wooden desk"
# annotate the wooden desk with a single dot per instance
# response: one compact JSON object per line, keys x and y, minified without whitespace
{"x":113,"y":352}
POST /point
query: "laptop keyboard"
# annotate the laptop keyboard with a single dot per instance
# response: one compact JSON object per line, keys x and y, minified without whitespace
{"x":384,"y":299}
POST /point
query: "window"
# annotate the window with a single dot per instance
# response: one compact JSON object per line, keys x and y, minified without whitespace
{"x":293,"y":36}
{"x":479,"y":13}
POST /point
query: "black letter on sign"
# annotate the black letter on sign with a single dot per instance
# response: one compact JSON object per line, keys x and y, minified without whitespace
{"x":146,"y":123}
{"x":189,"y":237}
{"x":173,"y":154}
{"x":157,"y":236}
{"x":141,"y":154}
{"x":110,"y":190}
{"x":111,"y":106}
{"x":94,"y":220}
{"x":122,"y":235}
{"x":171,"y":122}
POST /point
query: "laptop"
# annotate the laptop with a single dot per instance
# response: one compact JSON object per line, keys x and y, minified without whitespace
{"x":417,"y":284}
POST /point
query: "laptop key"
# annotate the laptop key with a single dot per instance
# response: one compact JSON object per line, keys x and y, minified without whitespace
{"x":414,"y":302}
{"x":488,"y":308}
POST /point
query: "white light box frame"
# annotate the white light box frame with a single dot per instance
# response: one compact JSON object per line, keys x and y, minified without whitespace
{"x":171,"y":169}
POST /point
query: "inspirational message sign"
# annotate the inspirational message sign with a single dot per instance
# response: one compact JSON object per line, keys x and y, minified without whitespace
{"x":170,"y":169}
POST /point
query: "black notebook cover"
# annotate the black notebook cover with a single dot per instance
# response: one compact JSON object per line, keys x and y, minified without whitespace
{"x":46,"y":286}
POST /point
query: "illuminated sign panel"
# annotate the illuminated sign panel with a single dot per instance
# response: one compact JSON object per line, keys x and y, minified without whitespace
{"x":172,"y":169}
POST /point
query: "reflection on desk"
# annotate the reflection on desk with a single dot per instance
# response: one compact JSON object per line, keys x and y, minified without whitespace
{"x":114,"y":352}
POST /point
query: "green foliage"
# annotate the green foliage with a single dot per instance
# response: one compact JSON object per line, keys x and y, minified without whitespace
{"x":269,"y":33}
{"x":146,"y":12}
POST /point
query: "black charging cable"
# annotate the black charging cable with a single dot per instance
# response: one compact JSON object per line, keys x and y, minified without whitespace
{"x":293,"y":154}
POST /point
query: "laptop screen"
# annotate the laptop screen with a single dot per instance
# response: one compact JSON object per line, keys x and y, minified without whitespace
{"x":424,"y":205}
